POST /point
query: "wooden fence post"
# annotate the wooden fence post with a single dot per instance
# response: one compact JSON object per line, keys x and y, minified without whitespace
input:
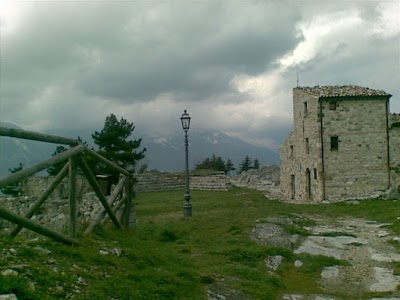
{"x":102,"y":213}
{"x":29,"y":224}
{"x":72,"y":197}
{"x":37,"y":136}
{"x":25,"y":172}
{"x":96,"y":188}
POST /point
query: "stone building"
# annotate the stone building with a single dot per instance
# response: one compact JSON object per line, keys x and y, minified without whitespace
{"x":343,"y":144}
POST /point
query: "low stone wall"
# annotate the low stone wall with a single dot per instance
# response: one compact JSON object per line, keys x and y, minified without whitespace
{"x":166,"y":182}
{"x":210,"y":183}
{"x":150,"y":182}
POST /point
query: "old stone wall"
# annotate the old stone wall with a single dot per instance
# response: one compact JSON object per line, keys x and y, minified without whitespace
{"x":313,"y":169}
{"x":360,"y":164}
{"x":147,"y":182}
{"x":301,"y":162}
{"x":55,"y":211}
{"x":35,"y":185}
{"x":394,"y":141}
{"x":151,"y":182}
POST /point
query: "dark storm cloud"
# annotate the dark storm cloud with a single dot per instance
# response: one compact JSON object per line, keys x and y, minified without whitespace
{"x":196,"y":63}
{"x":232,"y":64}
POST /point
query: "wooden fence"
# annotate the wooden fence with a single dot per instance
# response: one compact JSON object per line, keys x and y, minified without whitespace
{"x":120,"y":198}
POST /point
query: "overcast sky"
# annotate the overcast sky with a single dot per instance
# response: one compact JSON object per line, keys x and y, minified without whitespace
{"x":231,"y":64}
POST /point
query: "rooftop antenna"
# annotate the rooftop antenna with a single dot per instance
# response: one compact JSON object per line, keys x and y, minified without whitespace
{"x":297,"y":78}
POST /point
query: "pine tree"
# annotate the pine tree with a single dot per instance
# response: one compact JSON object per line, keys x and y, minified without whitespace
{"x":113,"y":145}
{"x":256,"y":164}
{"x":245,"y":165}
{"x":229,"y":166}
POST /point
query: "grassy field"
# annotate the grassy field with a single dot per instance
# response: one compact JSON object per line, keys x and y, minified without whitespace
{"x":171,"y":257}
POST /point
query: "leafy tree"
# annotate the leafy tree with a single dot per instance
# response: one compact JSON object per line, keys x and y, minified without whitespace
{"x":245,"y":165}
{"x":113,"y":144}
{"x":15,"y":188}
{"x":55,"y":169}
{"x":256,"y":164}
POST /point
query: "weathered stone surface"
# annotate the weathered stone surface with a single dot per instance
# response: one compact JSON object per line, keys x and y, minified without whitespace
{"x":8,"y":297}
{"x":151,"y":182}
{"x":9,"y":272}
{"x":273,"y":262}
{"x":298,"y":263}
{"x":271,"y":234}
{"x":333,"y":154}
{"x":369,"y":256}
{"x":386,"y":281}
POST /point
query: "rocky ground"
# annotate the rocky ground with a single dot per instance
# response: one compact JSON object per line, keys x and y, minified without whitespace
{"x":365,"y":245}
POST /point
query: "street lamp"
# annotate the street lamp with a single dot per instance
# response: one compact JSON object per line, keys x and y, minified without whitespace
{"x":187,"y":206}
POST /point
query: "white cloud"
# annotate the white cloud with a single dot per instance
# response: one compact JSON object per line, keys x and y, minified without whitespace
{"x":388,"y":24}
{"x":321,"y":34}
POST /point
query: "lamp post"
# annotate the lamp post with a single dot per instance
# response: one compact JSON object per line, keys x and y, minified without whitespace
{"x":187,"y":206}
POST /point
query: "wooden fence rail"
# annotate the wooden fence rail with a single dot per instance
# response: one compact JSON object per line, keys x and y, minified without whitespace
{"x":74,"y":159}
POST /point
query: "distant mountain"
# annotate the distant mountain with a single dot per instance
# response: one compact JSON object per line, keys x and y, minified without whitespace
{"x":14,"y":151}
{"x":164,"y":152}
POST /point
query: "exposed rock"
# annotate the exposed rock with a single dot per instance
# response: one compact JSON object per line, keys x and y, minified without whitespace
{"x":298,"y":263}
{"x":42,"y":250}
{"x":368,"y":255}
{"x":271,"y":234}
{"x":383,"y":233}
{"x":9,"y":272}
{"x":8,"y":297}
{"x":311,"y":247}
{"x":273,"y":262}
{"x":330,"y":272}
{"x":266,"y":179}
{"x":386,"y":280}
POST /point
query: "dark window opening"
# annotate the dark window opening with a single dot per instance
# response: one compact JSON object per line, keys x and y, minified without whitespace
{"x":291,"y":151}
{"x":332,"y":105}
{"x":334,"y":143}
{"x":315,"y":174}
{"x":307,"y":146}
{"x":305,"y":109}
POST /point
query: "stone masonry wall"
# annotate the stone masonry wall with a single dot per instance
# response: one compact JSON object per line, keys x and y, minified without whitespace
{"x":312,"y":172}
{"x":394,"y":139}
{"x":55,"y":211}
{"x":151,"y":182}
{"x":301,"y":167}
{"x":360,"y":165}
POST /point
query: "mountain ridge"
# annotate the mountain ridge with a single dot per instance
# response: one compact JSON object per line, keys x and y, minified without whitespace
{"x":164,"y":152}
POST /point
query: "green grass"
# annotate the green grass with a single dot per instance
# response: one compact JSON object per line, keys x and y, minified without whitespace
{"x":172,"y":257}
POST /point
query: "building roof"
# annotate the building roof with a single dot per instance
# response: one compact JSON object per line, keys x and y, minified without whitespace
{"x":336,"y":91}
